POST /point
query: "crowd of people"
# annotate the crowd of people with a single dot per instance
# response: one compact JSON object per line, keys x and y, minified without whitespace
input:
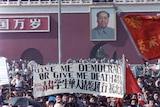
{"x":21,"y":85}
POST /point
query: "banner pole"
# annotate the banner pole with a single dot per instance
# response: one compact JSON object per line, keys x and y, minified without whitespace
{"x":59,"y":34}
{"x":124,"y":73}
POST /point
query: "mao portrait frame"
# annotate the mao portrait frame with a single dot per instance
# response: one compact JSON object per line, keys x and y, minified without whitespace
{"x":111,"y":24}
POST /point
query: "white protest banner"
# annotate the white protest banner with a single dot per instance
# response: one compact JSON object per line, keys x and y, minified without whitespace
{"x":90,"y":78}
{"x":3,"y":71}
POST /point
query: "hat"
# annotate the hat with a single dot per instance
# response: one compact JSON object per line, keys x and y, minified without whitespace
{"x":51,"y":99}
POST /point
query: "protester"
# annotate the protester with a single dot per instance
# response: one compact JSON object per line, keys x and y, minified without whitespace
{"x":15,"y":93}
{"x":58,"y":102}
{"x":17,"y":81}
{"x":85,"y":100}
{"x":113,"y":102}
{"x":51,"y":101}
{"x":65,"y":98}
{"x":156,"y":97}
{"x":140,"y":81}
{"x":74,"y":100}
{"x":151,"y":102}
{"x":157,"y":82}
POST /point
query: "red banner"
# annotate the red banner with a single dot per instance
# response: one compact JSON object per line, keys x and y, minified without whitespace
{"x":24,"y":23}
{"x":145,"y":31}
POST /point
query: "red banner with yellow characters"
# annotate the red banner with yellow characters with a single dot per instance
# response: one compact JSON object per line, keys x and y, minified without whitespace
{"x":145,"y":31}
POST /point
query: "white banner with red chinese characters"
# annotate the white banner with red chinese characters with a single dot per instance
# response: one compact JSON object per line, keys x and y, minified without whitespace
{"x":91,"y":78}
{"x":24,"y":23}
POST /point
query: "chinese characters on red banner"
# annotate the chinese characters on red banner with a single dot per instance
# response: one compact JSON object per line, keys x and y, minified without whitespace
{"x":145,"y":32}
{"x":24,"y":23}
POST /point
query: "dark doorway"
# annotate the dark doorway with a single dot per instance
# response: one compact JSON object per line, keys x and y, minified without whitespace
{"x":32,"y":54}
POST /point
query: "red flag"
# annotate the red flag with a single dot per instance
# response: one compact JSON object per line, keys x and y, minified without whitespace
{"x":131,"y":83}
{"x":145,"y":34}
{"x":132,"y":86}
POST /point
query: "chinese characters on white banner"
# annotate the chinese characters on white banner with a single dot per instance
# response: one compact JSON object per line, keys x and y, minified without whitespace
{"x":91,"y":78}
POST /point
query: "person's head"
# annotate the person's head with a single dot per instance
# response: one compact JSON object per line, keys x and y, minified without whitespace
{"x":17,"y":75}
{"x":15,"y":92}
{"x":149,"y":82}
{"x":103,"y":19}
{"x":65,"y":98}
{"x":151,"y":102}
{"x":134,"y":96}
{"x":72,"y":98}
{"x":139,"y":79}
{"x":102,"y":99}
{"x":108,"y":99}
{"x":144,"y":88}
{"x":126,"y":99}
{"x":156,"y":95}
{"x":134,"y":102}
{"x":58,"y":98}
{"x":51,"y":104}
{"x":113,"y":99}
{"x":146,"y":94}
{"x":85,"y":100}
{"x":29,"y":94}
{"x":93,"y":99}
{"x":52,"y":99}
